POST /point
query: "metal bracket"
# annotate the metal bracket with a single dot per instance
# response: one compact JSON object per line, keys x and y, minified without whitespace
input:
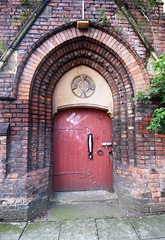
{"x":106,"y":144}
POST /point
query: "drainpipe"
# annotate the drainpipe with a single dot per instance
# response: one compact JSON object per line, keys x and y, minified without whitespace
{"x":23,"y":32}
{"x":137,"y":30}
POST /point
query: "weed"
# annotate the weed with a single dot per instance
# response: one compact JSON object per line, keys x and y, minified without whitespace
{"x":24,"y":16}
{"x":156,"y":89}
{"x":66,"y":19}
{"x":2,"y":45}
{"x":103,"y":20}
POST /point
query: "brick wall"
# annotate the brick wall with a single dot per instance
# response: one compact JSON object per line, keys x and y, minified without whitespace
{"x":73,"y":11}
{"x":46,"y":52}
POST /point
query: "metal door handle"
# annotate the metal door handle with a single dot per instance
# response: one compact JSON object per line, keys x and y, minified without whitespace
{"x":90,"y":146}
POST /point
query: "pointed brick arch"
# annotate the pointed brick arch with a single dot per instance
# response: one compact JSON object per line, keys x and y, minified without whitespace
{"x":52,"y":41}
{"x":63,"y":50}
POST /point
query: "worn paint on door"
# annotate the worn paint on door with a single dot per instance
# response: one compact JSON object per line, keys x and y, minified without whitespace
{"x":73,"y":170}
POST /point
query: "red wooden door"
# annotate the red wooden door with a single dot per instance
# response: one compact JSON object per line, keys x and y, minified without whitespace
{"x":73,"y":170}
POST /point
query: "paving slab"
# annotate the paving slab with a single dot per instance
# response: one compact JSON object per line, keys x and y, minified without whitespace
{"x":83,"y":211}
{"x":149,"y":227}
{"x":115,"y":229}
{"x":41,"y":231}
{"x":11,"y":231}
{"x":162,"y":216}
{"x":78,"y":230}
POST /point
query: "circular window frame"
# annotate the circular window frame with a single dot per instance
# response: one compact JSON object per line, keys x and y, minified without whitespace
{"x":78,"y":91}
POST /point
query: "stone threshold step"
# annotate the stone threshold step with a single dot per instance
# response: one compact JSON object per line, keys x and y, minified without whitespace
{"x":83,"y":196}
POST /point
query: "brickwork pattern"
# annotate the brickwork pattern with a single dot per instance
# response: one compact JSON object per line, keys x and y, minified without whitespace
{"x":72,"y":10}
{"x":138,"y":154}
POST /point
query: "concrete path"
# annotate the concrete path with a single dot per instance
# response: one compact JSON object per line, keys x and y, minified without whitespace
{"x":86,"y":218}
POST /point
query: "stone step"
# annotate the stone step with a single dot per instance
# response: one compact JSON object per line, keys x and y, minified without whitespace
{"x":83,"y":197}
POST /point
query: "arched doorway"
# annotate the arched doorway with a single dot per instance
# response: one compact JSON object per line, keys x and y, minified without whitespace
{"x":82,"y":132}
{"x":115,"y":61}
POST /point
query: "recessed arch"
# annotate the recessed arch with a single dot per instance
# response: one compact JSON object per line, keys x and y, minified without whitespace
{"x":41,"y":98}
{"x":62,"y":50}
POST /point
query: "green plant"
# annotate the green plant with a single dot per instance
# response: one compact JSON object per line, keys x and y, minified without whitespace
{"x":66,"y":19}
{"x":24,"y":1}
{"x":13,"y":22}
{"x":118,"y":29}
{"x":24,"y":16}
{"x":158,"y":120}
{"x":153,"y":170}
{"x":26,"y":12}
{"x":2,"y":45}
{"x":141,"y":96}
{"x":34,"y":2}
{"x":152,"y":3}
{"x":156,"y":89}
{"x":103,"y":20}
{"x":27,"y":2}
{"x":146,"y":5}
